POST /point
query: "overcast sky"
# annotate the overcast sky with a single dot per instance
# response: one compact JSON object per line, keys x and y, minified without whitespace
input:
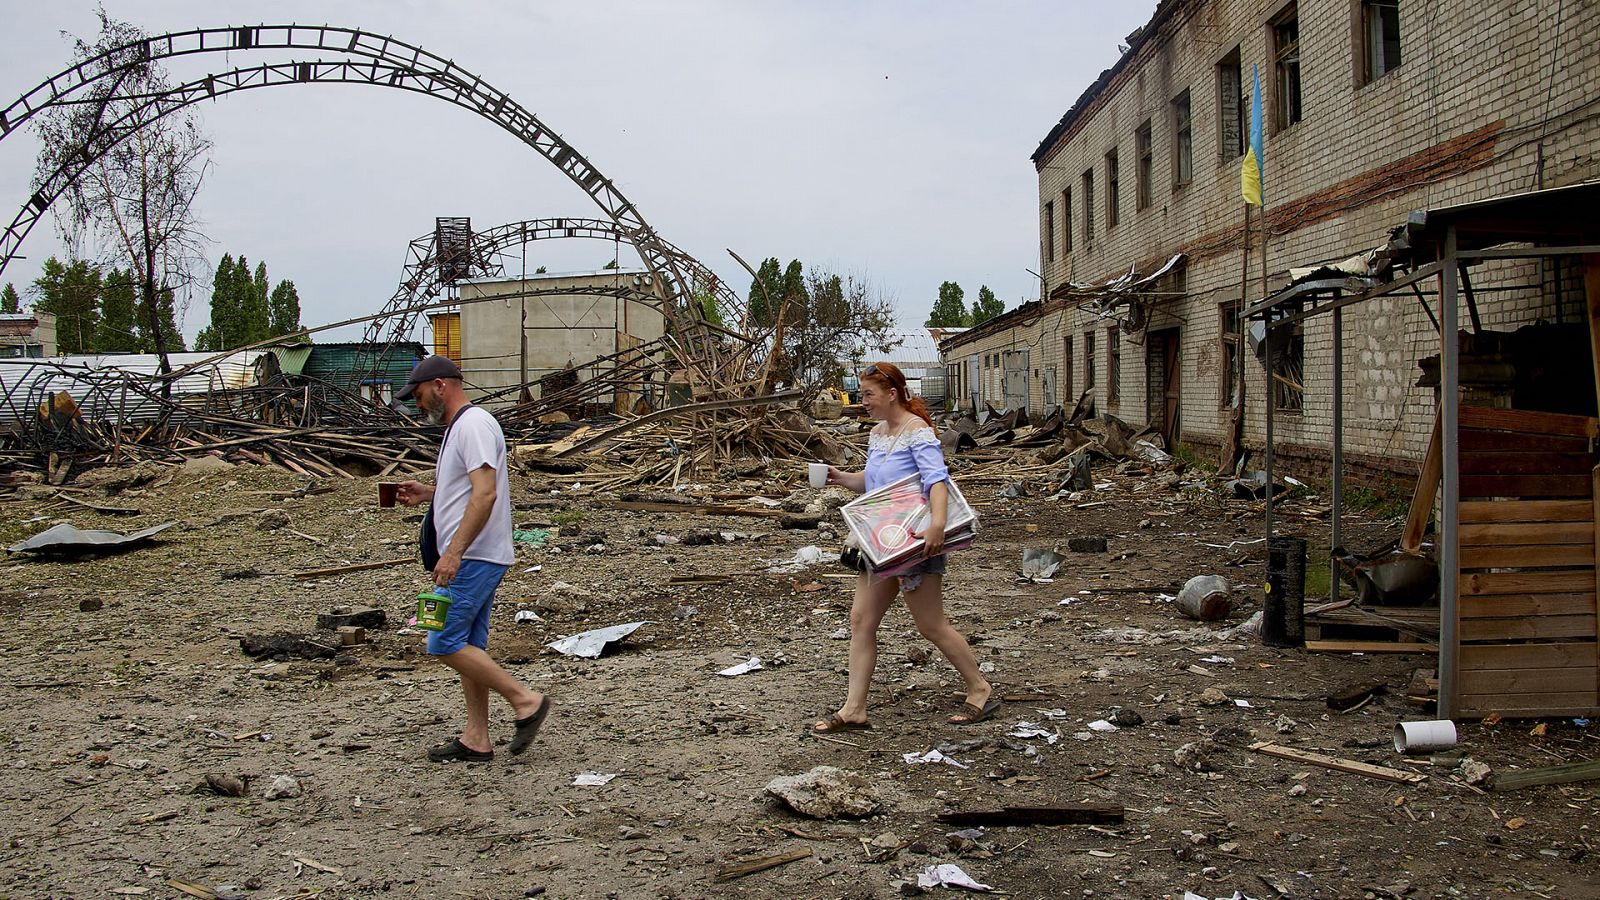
{"x":889,"y":140}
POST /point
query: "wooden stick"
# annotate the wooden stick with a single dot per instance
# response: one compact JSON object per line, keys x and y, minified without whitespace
{"x":761,"y":864}
{"x":362,"y":567}
{"x":1340,"y":765}
{"x":1584,"y":770}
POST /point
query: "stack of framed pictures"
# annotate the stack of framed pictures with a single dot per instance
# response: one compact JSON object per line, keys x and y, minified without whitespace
{"x":884,"y":523}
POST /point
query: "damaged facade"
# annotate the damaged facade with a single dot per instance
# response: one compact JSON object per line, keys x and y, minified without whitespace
{"x":1372,"y":110}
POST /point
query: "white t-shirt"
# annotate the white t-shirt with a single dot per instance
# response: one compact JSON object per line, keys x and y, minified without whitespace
{"x":474,"y":441}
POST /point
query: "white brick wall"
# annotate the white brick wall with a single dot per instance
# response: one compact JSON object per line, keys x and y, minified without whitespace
{"x":1465,"y":66}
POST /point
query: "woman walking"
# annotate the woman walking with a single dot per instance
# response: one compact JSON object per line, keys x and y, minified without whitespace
{"x":904,"y":443}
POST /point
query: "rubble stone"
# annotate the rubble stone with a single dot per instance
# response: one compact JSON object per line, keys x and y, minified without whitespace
{"x":827,"y":792}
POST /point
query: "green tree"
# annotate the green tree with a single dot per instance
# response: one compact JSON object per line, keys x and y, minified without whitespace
{"x":766,"y":293}
{"x":283,"y":309}
{"x":950,"y":310}
{"x":116,"y":330}
{"x":224,"y":325}
{"x":986,"y":307}
{"x":70,"y":292}
{"x":792,"y":294}
{"x":9,"y":301}
{"x":165,"y":326}
{"x":253,"y":293}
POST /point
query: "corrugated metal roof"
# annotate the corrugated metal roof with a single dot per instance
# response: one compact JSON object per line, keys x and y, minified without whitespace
{"x":96,"y":382}
{"x":914,"y":352}
{"x":292,"y":360}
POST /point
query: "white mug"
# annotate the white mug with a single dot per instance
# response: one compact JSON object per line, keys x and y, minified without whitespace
{"x":818,"y":473}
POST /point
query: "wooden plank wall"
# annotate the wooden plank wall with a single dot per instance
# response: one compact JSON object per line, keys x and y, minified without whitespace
{"x":1527,"y":601}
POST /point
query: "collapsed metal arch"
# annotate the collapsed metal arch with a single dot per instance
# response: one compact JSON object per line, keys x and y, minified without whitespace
{"x":425,"y":275}
{"x":394,"y":64}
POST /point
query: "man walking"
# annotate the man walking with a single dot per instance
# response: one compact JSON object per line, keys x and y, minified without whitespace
{"x":470,"y":518}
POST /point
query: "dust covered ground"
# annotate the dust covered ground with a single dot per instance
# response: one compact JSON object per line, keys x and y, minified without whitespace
{"x":115,"y":716}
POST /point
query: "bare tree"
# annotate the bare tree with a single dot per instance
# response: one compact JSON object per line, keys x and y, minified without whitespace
{"x":134,"y":206}
{"x":824,"y":324}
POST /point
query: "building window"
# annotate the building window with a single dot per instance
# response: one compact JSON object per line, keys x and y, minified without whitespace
{"x":1288,"y":375}
{"x":1182,"y":142}
{"x":1286,"y":63}
{"x":1228,"y":347}
{"x":1049,"y":232}
{"x":1113,"y":364}
{"x":1088,"y":360}
{"x":1088,"y":206}
{"x":1066,"y":366}
{"x":1113,"y":186}
{"x":1066,"y":221}
{"x":1141,"y":142}
{"x":1380,"y":26}
{"x":1231,"y":107}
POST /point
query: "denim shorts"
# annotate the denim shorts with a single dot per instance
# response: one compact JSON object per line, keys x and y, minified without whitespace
{"x":471,"y":595}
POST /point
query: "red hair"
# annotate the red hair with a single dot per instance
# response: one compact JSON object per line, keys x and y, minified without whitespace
{"x":890,"y":377}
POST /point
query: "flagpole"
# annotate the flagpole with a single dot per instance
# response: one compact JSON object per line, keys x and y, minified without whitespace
{"x":1234,"y":445}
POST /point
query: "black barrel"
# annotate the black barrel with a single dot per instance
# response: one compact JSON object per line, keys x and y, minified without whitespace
{"x":1283,"y":616}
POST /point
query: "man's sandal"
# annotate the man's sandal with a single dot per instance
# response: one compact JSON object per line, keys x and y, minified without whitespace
{"x":528,"y":727}
{"x":834,"y":723}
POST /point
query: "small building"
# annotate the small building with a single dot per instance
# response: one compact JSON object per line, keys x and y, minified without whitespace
{"x":376,"y":371}
{"x":509,"y":333}
{"x":915,"y":352}
{"x":28,"y":335}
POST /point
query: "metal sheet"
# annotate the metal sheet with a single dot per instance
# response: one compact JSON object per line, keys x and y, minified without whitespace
{"x":65,"y":538}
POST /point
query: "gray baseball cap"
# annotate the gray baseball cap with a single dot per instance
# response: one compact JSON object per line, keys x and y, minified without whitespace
{"x":427,"y":370}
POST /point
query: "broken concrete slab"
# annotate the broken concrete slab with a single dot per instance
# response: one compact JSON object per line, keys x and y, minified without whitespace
{"x":827,"y":792}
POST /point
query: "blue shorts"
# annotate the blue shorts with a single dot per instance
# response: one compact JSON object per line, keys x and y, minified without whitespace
{"x":471,"y":594}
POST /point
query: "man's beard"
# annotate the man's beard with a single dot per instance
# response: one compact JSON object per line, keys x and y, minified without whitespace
{"x":435,"y":414}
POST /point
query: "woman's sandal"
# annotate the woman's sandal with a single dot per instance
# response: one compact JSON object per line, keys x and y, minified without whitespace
{"x":834,"y":723}
{"x":971,"y":715}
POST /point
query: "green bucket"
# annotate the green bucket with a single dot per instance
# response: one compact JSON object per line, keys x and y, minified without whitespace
{"x":432,"y":610}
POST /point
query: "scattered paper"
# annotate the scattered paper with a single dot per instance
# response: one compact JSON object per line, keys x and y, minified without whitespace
{"x":1052,"y":713}
{"x":1030,"y":730}
{"x":1102,"y":725}
{"x":750,"y":665}
{"x":1221,"y":660}
{"x":527,"y":615}
{"x":592,"y":779}
{"x":948,"y":875}
{"x":766,"y":501}
{"x":932,"y":756}
{"x":534,"y":569}
{"x":1245,"y":704}
{"x":590,"y":644}
{"x":1191,"y":895}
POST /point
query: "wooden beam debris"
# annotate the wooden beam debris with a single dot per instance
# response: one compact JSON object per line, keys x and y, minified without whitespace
{"x":1339,"y":765}
{"x":761,"y":864}
{"x":1064,"y":814}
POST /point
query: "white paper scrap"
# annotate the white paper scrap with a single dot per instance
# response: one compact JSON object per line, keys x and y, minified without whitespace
{"x":1243,"y":703}
{"x":1222,"y":660}
{"x":948,"y":875}
{"x":592,"y":779}
{"x":750,"y":665}
{"x":932,"y":756}
{"x":1102,"y":725}
{"x":1030,"y":730}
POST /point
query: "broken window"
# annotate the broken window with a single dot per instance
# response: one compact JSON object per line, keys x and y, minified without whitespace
{"x":1088,"y":206}
{"x":1228,"y":347}
{"x":1231,"y":109}
{"x":1049,"y":232}
{"x":1286,"y":62}
{"x":1141,"y":141}
{"x":1113,"y":364}
{"x":1288,"y":377}
{"x":1088,"y":360}
{"x":1182,"y":141}
{"x":1066,"y":221}
{"x":1069,"y":395}
{"x":1380,"y":25}
{"x":1112,"y":187}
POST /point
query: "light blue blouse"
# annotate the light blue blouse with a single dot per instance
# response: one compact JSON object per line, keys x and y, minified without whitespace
{"x":891,"y":458}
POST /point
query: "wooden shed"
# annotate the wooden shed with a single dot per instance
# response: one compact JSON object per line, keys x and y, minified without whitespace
{"x":1515,"y":533}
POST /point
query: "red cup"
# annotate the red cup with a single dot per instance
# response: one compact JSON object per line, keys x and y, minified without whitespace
{"x":387,"y":492}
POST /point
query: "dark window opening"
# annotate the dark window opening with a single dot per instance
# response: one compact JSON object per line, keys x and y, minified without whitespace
{"x":1182,"y":141}
{"x":1286,"y":62}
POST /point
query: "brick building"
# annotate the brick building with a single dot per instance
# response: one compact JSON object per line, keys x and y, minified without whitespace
{"x":1373,"y":110}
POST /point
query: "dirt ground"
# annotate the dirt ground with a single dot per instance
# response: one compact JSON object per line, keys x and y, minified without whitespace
{"x":116,"y":714}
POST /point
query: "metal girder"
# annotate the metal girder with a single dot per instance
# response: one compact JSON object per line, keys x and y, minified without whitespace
{"x":392,"y":63}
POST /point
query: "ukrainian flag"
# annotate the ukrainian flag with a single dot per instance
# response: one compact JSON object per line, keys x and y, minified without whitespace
{"x":1254,"y":155}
